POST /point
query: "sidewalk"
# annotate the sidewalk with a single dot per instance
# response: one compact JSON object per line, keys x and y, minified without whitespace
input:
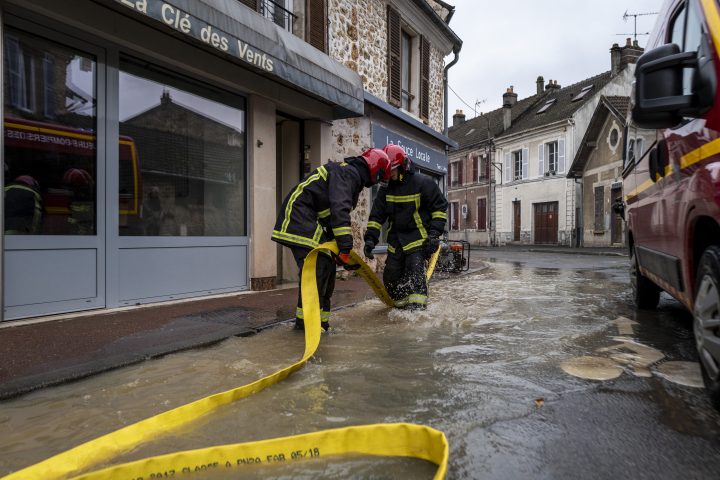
{"x":610,"y":251}
{"x":50,"y":353}
{"x":47,"y":353}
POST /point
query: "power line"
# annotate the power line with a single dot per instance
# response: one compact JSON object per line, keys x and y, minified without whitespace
{"x":459,"y":96}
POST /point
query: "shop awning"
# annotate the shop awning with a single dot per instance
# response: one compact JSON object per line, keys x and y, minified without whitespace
{"x":236,"y":32}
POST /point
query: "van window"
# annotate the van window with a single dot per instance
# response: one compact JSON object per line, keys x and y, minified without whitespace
{"x":693,"y":37}
{"x":677,"y":28}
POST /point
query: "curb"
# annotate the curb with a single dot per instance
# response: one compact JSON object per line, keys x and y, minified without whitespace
{"x":542,"y":250}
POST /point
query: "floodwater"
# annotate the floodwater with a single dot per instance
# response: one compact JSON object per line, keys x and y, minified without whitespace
{"x":483,"y":359}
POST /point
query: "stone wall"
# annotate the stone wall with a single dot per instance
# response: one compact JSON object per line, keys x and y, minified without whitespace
{"x":358,"y":39}
{"x":437,"y":64}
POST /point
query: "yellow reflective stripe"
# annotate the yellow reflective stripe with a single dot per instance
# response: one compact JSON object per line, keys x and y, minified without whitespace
{"x":418,"y":220}
{"x":294,"y":239}
{"x":417,"y":298}
{"x":324,"y":213}
{"x":402,"y":198}
{"x":299,"y":313}
{"x":374,"y":225}
{"x":400,"y":303}
{"x":414,"y":244}
{"x":391,"y":249}
{"x":298,"y":190}
{"x":342,"y":231}
{"x":394,"y":439}
{"x":442,"y":215}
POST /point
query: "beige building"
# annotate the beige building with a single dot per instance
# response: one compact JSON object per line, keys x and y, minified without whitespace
{"x":598,"y":163}
{"x":538,"y":203}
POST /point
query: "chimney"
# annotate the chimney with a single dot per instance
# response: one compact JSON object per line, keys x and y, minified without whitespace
{"x":552,"y":86}
{"x":630,"y":53}
{"x":509,"y":99}
{"x":165,"y":98}
{"x":615,"y":55}
{"x":458,"y":118}
{"x":540,"y":85}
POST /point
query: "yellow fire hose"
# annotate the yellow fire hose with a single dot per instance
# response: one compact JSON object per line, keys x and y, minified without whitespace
{"x":389,"y":440}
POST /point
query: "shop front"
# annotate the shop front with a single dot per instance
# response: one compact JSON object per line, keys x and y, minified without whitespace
{"x":139,"y":148}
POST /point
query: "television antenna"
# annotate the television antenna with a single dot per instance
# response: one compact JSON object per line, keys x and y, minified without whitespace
{"x":635,"y":15}
{"x":478,"y":102}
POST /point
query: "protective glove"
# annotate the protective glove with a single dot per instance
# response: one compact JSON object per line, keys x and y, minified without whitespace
{"x":343,"y":260}
{"x":369,"y":245}
{"x":430,"y":247}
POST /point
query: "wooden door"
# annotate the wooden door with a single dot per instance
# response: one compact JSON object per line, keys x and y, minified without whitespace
{"x":516,"y":221}
{"x":546,"y":222}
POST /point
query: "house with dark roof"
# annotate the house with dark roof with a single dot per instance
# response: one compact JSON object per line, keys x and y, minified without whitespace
{"x":538,"y":203}
{"x":598,"y":162}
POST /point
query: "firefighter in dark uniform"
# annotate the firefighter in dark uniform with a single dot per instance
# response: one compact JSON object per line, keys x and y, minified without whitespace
{"x":318,"y":210}
{"x":416,"y":210}
{"x":24,"y":207}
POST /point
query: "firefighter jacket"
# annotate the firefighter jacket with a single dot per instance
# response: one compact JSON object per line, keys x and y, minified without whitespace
{"x":414,"y":206}
{"x":319,"y":208}
{"x":23,"y":210}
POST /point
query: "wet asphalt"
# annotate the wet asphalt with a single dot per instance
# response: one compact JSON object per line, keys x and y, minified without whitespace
{"x":493,"y":363}
{"x":627,"y":427}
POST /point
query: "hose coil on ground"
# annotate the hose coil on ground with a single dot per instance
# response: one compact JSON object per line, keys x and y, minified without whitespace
{"x":392,"y":439}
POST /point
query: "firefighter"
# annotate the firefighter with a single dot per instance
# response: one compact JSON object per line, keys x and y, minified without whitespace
{"x":318,"y":210}
{"x":415,"y":208}
{"x":23,"y":207}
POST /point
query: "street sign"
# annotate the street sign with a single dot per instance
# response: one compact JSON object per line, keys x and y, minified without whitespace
{"x":464,"y":211}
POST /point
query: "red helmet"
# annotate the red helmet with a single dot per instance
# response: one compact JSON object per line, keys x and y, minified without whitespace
{"x":398,"y":157}
{"x":379,"y":164}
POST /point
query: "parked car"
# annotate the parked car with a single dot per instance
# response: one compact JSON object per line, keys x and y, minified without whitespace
{"x":671,"y":193}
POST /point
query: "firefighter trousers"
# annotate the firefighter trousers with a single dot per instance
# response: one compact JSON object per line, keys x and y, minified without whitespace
{"x":405,"y":282}
{"x":325,"y":273}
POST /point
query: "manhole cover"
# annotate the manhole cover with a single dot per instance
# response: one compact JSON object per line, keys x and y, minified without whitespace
{"x":236,"y":316}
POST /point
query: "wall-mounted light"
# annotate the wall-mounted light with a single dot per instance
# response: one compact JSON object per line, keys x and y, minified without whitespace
{"x":259,"y":143}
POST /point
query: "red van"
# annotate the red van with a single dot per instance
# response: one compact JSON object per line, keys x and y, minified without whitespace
{"x":671,"y":194}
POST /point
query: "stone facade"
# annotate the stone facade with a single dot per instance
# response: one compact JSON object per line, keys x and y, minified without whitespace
{"x":358,"y":39}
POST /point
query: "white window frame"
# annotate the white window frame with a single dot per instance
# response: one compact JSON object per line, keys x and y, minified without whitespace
{"x":517,"y":161}
{"x":552,"y":157}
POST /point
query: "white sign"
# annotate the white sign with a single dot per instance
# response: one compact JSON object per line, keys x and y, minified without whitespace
{"x":464,"y":211}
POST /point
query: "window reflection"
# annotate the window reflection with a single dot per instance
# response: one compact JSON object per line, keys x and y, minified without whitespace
{"x":182,"y":155}
{"x":50,"y":146}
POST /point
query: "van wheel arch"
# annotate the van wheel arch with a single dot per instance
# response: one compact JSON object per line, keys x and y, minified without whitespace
{"x":700,"y":242}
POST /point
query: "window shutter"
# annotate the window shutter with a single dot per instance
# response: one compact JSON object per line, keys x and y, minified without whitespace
{"x":460,"y":172}
{"x":508,"y":168}
{"x":394,"y":59}
{"x":541,"y":160}
{"x":424,"y":79}
{"x":475,"y":169}
{"x":525,"y":163}
{"x":316,"y":22}
{"x":482,"y":214}
{"x":561,"y":155}
{"x":254,"y":4}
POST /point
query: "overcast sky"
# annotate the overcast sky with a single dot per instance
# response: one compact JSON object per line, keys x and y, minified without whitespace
{"x":512,"y":42}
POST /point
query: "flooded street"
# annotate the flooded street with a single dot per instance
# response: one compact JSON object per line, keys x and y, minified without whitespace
{"x":496,"y":363}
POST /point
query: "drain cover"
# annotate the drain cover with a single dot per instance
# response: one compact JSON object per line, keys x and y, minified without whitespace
{"x":236,"y":316}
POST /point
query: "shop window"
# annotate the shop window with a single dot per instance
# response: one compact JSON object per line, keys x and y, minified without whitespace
{"x":50,"y":145}
{"x":182,"y":155}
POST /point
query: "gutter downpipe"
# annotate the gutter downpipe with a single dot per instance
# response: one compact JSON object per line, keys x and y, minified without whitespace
{"x":445,"y":85}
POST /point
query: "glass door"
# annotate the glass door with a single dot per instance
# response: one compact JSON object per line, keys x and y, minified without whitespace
{"x":54,"y":173}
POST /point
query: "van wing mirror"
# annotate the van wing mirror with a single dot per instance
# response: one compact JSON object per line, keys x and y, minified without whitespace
{"x":658,"y":97}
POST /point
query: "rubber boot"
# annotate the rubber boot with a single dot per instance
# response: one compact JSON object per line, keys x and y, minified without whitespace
{"x":299,"y":324}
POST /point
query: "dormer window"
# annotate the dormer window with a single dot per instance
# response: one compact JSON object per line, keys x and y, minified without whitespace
{"x":583,"y":93}
{"x":547,"y":105}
